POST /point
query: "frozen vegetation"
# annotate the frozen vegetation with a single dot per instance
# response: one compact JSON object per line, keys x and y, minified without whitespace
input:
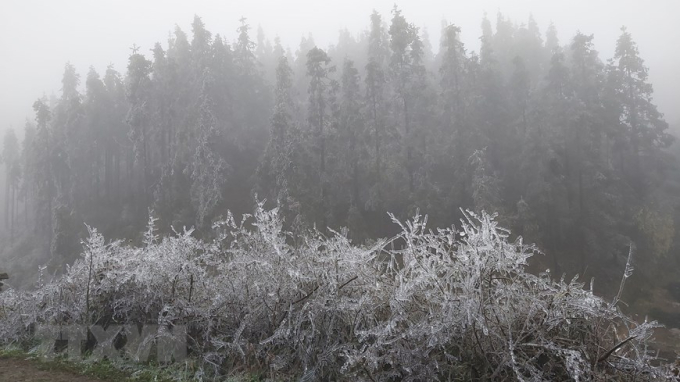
{"x":445,"y":304}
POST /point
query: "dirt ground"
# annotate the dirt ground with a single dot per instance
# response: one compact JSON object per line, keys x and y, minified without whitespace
{"x":19,"y":370}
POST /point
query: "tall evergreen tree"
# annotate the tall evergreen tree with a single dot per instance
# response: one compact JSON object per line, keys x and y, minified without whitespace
{"x":208,"y":168}
{"x":138,"y":94}
{"x":352,"y":127}
{"x":11,"y":159}
{"x":44,"y":184}
{"x":28,"y":180}
{"x":376,"y":100}
{"x":639,"y":118}
{"x":406,"y":71}
{"x":318,"y":69}
{"x":287,"y":166}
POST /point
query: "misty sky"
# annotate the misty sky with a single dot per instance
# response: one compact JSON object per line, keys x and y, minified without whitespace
{"x":38,"y":37}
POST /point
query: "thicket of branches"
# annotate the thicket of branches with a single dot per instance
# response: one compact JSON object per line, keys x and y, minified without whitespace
{"x":445,"y":304}
{"x":568,"y":148}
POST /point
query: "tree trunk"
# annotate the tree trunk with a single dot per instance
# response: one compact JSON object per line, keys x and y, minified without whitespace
{"x":409,"y":153}
{"x":7,"y":191}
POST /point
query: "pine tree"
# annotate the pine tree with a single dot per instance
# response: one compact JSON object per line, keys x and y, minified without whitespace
{"x":353,"y":148}
{"x":44,"y":184}
{"x":28,"y":181}
{"x":11,"y":159}
{"x":208,"y":170}
{"x":520,"y":87}
{"x":116,"y":133}
{"x":552,"y":43}
{"x":643,"y":124}
{"x":88,"y":163}
{"x":251,"y":124}
{"x":278,"y":149}
{"x":138,"y":94}
{"x":318,"y":69}
{"x":491,"y":104}
{"x":456,"y":136}
{"x":486,"y":52}
{"x":67,"y":126}
{"x":351,"y":125}
{"x":376,"y":105}
{"x":200,"y":44}
{"x":284,"y":169}
{"x":528,"y":45}
{"x":406,"y":71}
{"x":451,"y":74}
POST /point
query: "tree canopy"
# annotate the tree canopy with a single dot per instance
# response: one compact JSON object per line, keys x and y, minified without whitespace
{"x":567,"y":148}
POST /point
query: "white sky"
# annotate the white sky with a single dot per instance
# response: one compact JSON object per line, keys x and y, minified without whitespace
{"x":37,"y":37}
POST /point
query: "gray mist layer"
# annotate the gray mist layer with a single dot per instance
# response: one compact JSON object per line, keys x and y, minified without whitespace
{"x":38,"y":37}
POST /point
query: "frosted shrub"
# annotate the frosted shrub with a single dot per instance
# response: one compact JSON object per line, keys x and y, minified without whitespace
{"x":423,"y":305}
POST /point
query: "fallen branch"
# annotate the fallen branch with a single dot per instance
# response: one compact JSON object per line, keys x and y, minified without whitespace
{"x":305,"y":297}
{"x":348,"y":281}
{"x":615,"y":348}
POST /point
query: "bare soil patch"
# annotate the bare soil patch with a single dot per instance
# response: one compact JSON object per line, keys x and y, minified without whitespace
{"x":20,"y":370}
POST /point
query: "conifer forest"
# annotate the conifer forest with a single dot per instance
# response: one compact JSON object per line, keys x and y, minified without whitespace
{"x":379,"y":209}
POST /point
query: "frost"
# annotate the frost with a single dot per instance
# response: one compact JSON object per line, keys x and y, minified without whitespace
{"x":423,"y":305}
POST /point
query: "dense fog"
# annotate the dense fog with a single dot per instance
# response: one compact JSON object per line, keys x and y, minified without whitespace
{"x":561,"y":136}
